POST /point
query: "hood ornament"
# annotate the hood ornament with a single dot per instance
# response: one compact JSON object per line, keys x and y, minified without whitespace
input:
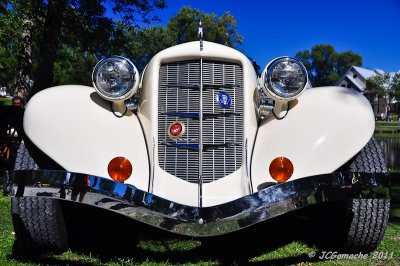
{"x":200,"y":34}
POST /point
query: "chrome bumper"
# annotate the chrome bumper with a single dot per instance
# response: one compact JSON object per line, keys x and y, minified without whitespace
{"x":194,"y":221}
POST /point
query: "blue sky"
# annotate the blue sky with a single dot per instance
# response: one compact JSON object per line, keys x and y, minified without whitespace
{"x":276,"y":28}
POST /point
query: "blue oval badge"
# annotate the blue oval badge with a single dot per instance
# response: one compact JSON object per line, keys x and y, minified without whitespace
{"x":223,"y":99}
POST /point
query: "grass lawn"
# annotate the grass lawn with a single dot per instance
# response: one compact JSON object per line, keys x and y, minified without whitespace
{"x":161,"y":248}
{"x":5,"y":101}
{"x":389,"y":130}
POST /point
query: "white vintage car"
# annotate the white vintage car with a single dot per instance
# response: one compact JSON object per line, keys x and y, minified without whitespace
{"x":201,"y":145}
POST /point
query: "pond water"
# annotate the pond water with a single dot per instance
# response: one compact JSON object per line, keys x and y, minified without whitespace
{"x":391,"y":151}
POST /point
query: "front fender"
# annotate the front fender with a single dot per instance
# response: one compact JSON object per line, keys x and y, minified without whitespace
{"x":78,"y":130}
{"x":324,"y":129}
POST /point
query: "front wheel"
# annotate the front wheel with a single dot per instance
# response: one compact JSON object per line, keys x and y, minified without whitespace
{"x":365,"y":220}
{"x":39,"y":226}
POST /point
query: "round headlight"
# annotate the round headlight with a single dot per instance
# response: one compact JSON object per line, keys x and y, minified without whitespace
{"x":115,"y":78}
{"x":284,"y":78}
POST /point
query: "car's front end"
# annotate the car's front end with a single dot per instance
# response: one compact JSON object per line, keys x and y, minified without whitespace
{"x":200,"y":145}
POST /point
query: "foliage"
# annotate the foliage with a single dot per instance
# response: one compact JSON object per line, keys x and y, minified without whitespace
{"x":74,"y":66}
{"x":141,"y":44}
{"x":376,"y":86}
{"x":85,"y":27}
{"x":70,"y":36}
{"x":8,"y":64}
{"x":221,"y":30}
{"x":79,"y":24}
{"x":128,"y":9}
{"x":383,"y":85}
{"x":9,"y":32}
{"x":29,"y":13}
{"x":325,"y":65}
{"x":395,"y":85}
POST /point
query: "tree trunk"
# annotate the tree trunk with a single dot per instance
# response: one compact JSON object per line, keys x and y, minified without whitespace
{"x":49,"y":45}
{"x":24,"y":68}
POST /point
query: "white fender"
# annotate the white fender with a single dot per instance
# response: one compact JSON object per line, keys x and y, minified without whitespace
{"x":325,"y":128}
{"x":77,"y":129}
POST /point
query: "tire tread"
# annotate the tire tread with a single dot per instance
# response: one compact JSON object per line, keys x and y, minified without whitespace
{"x":39,"y":226}
{"x":369,"y":219}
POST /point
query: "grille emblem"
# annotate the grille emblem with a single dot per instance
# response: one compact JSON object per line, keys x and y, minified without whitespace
{"x":223,"y":99}
{"x":176,"y":130}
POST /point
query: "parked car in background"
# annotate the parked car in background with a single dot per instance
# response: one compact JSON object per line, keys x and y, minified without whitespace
{"x":210,"y":147}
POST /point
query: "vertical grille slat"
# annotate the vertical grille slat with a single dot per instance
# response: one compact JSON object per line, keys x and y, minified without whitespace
{"x":217,"y":162}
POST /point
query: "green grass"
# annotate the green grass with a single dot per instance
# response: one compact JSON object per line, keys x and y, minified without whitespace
{"x":387,"y":123}
{"x":6,"y":229}
{"x":173,"y":250}
{"x":387,"y":130}
{"x":5,"y":101}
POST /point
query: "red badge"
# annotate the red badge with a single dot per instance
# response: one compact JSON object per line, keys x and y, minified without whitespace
{"x":176,"y":130}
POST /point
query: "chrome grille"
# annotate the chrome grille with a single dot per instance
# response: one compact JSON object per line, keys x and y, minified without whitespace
{"x":179,"y":93}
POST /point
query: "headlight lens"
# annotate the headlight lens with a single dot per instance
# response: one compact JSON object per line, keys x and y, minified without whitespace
{"x":115,"y":78}
{"x":284,"y":78}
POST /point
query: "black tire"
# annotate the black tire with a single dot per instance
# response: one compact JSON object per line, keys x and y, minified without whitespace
{"x":24,"y":160}
{"x":39,"y":226}
{"x":369,"y":160}
{"x":30,"y":157}
{"x":368,"y":220}
{"x":365,"y":220}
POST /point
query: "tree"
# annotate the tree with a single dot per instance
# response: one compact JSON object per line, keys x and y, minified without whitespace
{"x":377,"y":86}
{"x":395,"y":85}
{"x":141,"y":44}
{"x":20,"y":22}
{"x":74,"y":66}
{"x":221,"y":30}
{"x":56,"y":42}
{"x":149,"y":42}
{"x":9,"y":32}
{"x":93,"y":14}
{"x":325,"y":65}
{"x":345,"y":60}
{"x":28,"y":13}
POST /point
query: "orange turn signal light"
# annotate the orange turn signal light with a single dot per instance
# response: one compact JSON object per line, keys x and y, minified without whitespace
{"x":119,"y":169}
{"x":281,"y":169}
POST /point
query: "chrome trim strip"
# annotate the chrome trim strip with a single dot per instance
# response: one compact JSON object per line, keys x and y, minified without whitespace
{"x":188,"y":146}
{"x":195,"y":86}
{"x":200,"y":201}
{"x":151,"y":175}
{"x":145,"y":207}
{"x":184,"y":86}
{"x":197,"y":115}
{"x":196,"y":147}
{"x":246,"y":165}
{"x":151,"y":181}
{"x":223,"y":86}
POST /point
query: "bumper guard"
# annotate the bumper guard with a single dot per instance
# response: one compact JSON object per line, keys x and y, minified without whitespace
{"x":194,"y":221}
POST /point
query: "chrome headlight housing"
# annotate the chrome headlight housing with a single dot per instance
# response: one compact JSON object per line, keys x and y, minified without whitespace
{"x":115,"y":78}
{"x":284,"y":79}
